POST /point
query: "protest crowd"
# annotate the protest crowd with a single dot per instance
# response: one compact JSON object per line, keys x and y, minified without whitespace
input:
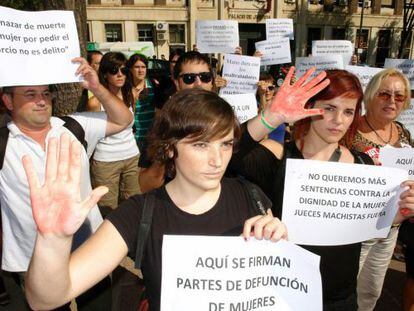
{"x":205,"y":151}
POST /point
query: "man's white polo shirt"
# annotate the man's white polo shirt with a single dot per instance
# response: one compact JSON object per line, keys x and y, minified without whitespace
{"x":19,"y":229}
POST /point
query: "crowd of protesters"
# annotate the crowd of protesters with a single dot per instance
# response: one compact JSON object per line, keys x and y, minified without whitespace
{"x":173,"y":140}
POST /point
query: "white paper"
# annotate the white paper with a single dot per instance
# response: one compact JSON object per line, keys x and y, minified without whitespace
{"x":398,"y":157}
{"x":364,"y":74}
{"x":36,"y":48}
{"x":279,"y":27}
{"x":404,"y":65}
{"x":407,"y":117}
{"x":242,"y":74}
{"x":319,"y":62}
{"x":244,"y":105}
{"x":276,"y":51}
{"x":344,"y":48}
{"x":217,"y":36}
{"x":331,"y":203}
{"x":241,"y":282}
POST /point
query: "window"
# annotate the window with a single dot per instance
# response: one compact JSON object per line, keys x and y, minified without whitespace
{"x":94,"y":1}
{"x":362,"y":44}
{"x":313,"y":34}
{"x":407,"y":45}
{"x":338,"y":33}
{"x":384,"y":38}
{"x":127,"y":2}
{"x":88,"y":33}
{"x":387,"y":3}
{"x":145,"y":32}
{"x":177,"y":33}
{"x":113,"y":32}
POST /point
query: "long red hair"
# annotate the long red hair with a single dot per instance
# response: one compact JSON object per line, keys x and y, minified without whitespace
{"x":342,"y":84}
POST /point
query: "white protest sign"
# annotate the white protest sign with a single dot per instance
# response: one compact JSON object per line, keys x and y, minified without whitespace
{"x":279,"y":27}
{"x":244,"y":105}
{"x":274,"y":52}
{"x":407,"y":117}
{"x":208,"y":273}
{"x":398,"y":157}
{"x":217,"y":36}
{"x":36,"y":48}
{"x":344,"y":48}
{"x":319,"y":62}
{"x":406,"y":66}
{"x":242,"y":74}
{"x":364,"y":74}
{"x":339,"y":203}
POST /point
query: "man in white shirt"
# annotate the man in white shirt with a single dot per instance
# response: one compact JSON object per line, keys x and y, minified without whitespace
{"x":32,"y":125}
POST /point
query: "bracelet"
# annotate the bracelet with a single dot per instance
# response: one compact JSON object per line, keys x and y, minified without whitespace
{"x":265,"y":123}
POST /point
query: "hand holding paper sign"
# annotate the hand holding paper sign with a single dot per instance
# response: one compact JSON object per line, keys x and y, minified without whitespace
{"x":406,"y":203}
{"x":91,"y":79}
{"x":264,"y":227}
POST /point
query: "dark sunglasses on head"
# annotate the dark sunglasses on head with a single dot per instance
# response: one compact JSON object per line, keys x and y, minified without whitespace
{"x":189,"y":78}
{"x":115,"y":69}
{"x":386,"y":96}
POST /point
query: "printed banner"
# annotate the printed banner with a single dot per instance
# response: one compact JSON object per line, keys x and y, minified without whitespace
{"x":274,"y":52}
{"x":36,"y":48}
{"x":339,"y":203}
{"x":206,"y":273}
{"x":242,"y":74}
{"x":244,"y":105}
{"x":217,"y":36}
{"x":279,"y":27}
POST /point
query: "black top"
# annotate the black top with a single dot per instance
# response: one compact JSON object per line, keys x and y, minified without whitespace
{"x":339,"y":264}
{"x":226,"y":217}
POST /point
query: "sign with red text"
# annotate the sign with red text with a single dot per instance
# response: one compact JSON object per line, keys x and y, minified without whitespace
{"x":36,"y":48}
{"x":206,"y":273}
{"x":339,"y":203}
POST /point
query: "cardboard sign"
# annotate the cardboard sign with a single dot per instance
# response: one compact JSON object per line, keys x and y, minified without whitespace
{"x":36,"y":48}
{"x":339,"y":203}
{"x":227,"y":273}
{"x":217,"y":36}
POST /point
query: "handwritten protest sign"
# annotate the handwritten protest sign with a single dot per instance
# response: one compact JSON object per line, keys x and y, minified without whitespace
{"x":339,"y":203}
{"x":319,"y":62}
{"x":217,"y":36}
{"x":228,"y":273}
{"x":407,"y":117}
{"x":398,"y":157}
{"x":364,"y":74}
{"x":279,"y":27}
{"x":244,"y":105}
{"x":37,"y":47}
{"x":274,"y":52}
{"x":404,"y":65}
{"x":242,"y":74}
{"x":344,"y":48}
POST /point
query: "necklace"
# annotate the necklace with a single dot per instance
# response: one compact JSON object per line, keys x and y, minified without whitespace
{"x":370,"y":126}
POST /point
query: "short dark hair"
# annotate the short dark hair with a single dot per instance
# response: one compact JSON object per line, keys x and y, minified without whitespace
{"x":192,"y":113}
{"x":90,"y":54}
{"x":190,"y":57}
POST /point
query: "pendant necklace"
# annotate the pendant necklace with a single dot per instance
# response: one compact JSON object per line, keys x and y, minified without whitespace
{"x":384,"y":141}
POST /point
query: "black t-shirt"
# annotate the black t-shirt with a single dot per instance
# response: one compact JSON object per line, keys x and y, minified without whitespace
{"x":226,"y":217}
{"x":339,"y":264}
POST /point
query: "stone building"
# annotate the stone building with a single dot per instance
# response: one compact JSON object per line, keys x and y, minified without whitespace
{"x":170,"y":24}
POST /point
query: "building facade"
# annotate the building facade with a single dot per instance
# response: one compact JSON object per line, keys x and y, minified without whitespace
{"x":170,"y":24}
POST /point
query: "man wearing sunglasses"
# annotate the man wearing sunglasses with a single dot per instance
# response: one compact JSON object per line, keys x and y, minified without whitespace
{"x":30,"y":108}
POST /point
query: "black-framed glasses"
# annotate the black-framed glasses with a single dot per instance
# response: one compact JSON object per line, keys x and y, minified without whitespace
{"x":189,"y":78}
{"x":115,"y":69}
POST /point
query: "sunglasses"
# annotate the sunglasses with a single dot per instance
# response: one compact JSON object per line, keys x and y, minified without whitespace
{"x":115,"y":69}
{"x":189,"y":78}
{"x":271,"y":88}
{"x":386,"y":96}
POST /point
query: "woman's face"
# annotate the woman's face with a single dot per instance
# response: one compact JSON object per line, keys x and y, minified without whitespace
{"x":270,"y":90}
{"x":388,"y":101}
{"x":334,"y":123}
{"x":200,"y":165}
{"x":139,"y":71}
{"x":116,"y":78}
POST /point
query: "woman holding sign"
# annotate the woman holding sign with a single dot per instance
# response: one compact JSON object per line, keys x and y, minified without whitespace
{"x":386,"y":96}
{"x":325,"y":123}
{"x":194,"y":137}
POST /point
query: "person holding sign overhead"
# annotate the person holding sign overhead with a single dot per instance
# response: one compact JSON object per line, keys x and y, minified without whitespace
{"x":386,"y":96}
{"x":194,"y":137}
{"x":325,"y":113}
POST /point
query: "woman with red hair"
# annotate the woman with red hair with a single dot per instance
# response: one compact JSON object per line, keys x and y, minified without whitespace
{"x":325,"y":126}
